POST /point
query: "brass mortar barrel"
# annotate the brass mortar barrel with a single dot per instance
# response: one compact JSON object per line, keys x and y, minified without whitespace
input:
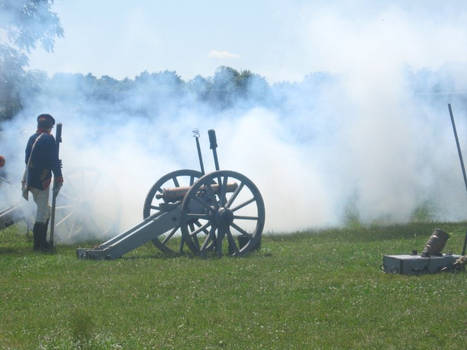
{"x":435,"y":243}
{"x":170,"y":195}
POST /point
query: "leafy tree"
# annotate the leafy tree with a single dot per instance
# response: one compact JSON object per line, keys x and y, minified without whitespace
{"x":23,"y":25}
{"x":28,"y":22}
{"x":230,"y":87}
{"x":11,"y":75}
{"x":225,"y":87}
{"x":199,"y":88}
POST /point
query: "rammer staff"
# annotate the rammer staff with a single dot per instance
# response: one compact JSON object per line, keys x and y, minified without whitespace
{"x":462,"y":164}
{"x":458,"y":146}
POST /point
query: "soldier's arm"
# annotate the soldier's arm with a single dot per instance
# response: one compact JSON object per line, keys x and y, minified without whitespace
{"x":28,"y":150}
{"x":52,"y":159}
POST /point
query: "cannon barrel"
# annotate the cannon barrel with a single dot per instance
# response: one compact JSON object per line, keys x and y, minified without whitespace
{"x":171,"y":195}
{"x":10,"y":215}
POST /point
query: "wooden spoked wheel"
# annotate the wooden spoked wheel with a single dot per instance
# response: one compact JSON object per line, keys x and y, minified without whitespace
{"x":154,"y":205}
{"x":229,"y":211}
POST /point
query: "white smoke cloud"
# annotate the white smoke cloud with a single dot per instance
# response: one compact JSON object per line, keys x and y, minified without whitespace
{"x":362,"y":138}
{"x":390,"y":139}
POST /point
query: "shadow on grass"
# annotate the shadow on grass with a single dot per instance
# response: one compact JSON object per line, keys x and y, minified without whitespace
{"x":372,"y":232}
{"x":155,"y":256}
{"x":192,"y":256}
{"x":16,"y":251}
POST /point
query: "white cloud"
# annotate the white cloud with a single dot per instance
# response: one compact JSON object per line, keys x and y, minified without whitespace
{"x":222,"y":54}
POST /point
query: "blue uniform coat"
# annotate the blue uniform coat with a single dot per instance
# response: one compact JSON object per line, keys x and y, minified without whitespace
{"x":44,"y":161}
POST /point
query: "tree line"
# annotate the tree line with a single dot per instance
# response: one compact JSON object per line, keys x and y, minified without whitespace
{"x":20,"y":32}
{"x":24,"y":25}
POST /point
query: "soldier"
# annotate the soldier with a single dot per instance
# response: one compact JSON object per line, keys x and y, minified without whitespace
{"x":41,"y":161}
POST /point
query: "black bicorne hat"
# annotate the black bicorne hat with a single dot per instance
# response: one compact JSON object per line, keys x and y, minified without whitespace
{"x":45,"y":121}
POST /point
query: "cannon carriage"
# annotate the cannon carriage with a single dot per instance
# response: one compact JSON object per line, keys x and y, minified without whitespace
{"x":9,"y":213}
{"x":221,"y":212}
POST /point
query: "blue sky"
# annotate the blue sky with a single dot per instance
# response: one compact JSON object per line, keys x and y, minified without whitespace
{"x":279,"y":39}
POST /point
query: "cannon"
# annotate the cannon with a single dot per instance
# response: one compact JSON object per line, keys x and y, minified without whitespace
{"x":221,"y":212}
{"x":12,"y":213}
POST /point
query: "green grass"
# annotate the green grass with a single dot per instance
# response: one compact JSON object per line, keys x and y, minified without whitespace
{"x":309,"y":290}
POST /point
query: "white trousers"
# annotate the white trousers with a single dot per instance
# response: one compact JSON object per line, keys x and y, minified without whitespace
{"x":41,"y":198}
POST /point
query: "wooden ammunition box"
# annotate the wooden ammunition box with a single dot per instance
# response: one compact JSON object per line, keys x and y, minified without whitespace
{"x":416,"y":264}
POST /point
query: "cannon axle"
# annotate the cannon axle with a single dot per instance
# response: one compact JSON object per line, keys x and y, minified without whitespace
{"x":223,"y":217}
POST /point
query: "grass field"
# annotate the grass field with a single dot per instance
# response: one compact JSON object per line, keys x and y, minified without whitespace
{"x":309,"y":290}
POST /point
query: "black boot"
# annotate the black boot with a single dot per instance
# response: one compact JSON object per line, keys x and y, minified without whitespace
{"x":44,"y":245}
{"x":36,"y":235}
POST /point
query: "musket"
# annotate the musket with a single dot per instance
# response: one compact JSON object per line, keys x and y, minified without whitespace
{"x":462,"y":163}
{"x":58,"y":140}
